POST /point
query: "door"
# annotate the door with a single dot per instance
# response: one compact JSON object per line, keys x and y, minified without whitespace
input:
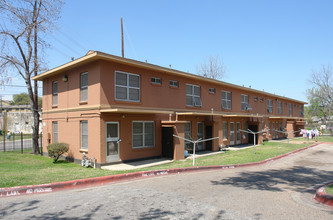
{"x":209,"y":134}
{"x":232,"y":133}
{"x":238,"y":133}
{"x":200,"y":134}
{"x":253,"y":128}
{"x":167,"y":142}
{"x":273,"y":131}
{"x":112,"y":141}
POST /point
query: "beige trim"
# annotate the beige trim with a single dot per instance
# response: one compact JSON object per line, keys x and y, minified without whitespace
{"x":132,"y":110}
{"x":96,"y":55}
{"x":286,"y":117}
{"x":245,"y":116}
{"x":75,"y":109}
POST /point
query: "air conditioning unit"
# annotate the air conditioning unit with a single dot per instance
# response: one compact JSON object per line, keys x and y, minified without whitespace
{"x":248,"y":107}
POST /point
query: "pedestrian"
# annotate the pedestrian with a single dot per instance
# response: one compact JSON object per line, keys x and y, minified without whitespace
{"x":8,"y":135}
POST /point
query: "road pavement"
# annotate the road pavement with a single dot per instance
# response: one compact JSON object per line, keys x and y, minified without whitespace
{"x":282,"y":189}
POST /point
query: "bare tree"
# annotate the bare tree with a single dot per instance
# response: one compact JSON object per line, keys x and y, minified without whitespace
{"x":22,"y":22}
{"x":320,"y":95}
{"x":213,"y":67}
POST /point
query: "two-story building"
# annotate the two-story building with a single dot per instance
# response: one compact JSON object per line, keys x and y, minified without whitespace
{"x":118,"y":109}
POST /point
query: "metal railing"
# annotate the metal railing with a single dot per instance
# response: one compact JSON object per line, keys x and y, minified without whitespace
{"x":18,"y":142}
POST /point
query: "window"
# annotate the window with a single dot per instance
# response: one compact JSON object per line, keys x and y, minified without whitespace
{"x":301,"y":110}
{"x":290,"y":109}
{"x":212,"y":90}
{"x":255,"y":98}
{"x":55,"y":93}
{"x":226,"y":100}
{"x":269,"y":106}
{"x":174,"y":83}
{"x":280,"y":107}
{"x":244,"y":102}
{"x":84,"y":135}
{"x":155,"y":80}
{"x":245,"y":129}
{"x":143,"y":134}
{"x":84,"y":87}
{"x":261,"y":99}
{"x":127,"y":87}
{"x":55,"y":131}
{"x":225,"y":130}
{"x":188,"y":134}
{"x":193,"y":95}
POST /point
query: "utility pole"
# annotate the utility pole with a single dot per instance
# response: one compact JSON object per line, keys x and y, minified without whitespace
{"x":122,"y":38}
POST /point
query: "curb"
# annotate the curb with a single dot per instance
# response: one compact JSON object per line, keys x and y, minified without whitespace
{"x":322,"y":197}
{"x":72,"y":184}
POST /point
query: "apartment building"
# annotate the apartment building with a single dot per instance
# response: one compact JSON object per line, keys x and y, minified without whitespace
{"x":118,"y":109}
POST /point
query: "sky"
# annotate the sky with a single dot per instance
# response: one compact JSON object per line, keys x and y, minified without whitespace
{"x":266,"y":44}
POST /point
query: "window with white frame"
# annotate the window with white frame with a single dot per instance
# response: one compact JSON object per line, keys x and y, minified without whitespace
{"x":55,"y":131}
{"x":280,"y":107}
{"x":173,"y":83}
{"x":127,"y":87}
{"x":193,"y":95}
{"x":269,"y":106}
{"x":143,"y":134}
{"x":84,"y":135}
{"x":84,"y":87}
{"x":226,"y":100}
{"x":188,"y":135}
{"x":155,"y":80}
{"x":290,"y":109}
{"x":225,"y":130}
{"x":55,"y":93}
{"x":244,"y":102}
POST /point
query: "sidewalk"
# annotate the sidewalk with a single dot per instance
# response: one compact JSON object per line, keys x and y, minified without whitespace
{"x":137,"y":164}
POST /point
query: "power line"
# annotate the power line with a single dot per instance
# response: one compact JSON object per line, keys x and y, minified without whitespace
{"x":18,"y":86}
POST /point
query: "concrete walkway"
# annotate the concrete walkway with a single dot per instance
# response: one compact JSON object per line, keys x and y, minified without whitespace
{"x":137,"y":164}
{"x":160,"y":161}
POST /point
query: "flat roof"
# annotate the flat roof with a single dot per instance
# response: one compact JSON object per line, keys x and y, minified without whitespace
{"x":96,"y":55}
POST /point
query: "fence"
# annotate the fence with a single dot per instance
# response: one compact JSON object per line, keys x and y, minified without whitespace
{"x":18,"y":142}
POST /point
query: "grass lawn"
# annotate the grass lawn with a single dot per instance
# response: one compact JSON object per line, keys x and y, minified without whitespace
{"x":26,"y":169}
{"x":329,"y":190}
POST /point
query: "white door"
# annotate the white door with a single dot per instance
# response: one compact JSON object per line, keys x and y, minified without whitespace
{"x":112,"y":141}
{"x":232,"y":133}
{"x":200,"y":134}
{"x":238,"y":133}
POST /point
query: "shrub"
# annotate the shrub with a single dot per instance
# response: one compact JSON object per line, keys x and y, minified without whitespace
{"x":55,"y":150}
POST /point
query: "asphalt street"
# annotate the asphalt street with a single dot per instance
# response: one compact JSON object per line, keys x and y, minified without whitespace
{"x":282,"y":189}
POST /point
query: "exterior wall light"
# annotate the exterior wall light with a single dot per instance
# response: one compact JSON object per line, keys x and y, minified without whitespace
{"x":64,"y":78}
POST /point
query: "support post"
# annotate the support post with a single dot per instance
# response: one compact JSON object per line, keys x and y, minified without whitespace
{"x":21,"y":142}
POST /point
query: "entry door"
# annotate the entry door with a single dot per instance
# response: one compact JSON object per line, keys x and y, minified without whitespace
{"x":200,"y":134}
{"x":232,"y":133}
{"x":273,"y":131}
{"x":112,"y":141}
{"x":167,"y":142}
{"x":238,"y":133}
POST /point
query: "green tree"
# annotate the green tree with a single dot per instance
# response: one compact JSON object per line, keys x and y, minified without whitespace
{"x":320,"y":96}
{"x":23,"y":28}
{"x":23,"y":99}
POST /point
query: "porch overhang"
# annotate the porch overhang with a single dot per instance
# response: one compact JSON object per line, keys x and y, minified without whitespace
{"x":286,"y":117}
{"x":135,"y":110}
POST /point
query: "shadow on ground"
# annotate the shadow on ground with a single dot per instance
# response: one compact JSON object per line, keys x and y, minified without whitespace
{"x":296,"y":178}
